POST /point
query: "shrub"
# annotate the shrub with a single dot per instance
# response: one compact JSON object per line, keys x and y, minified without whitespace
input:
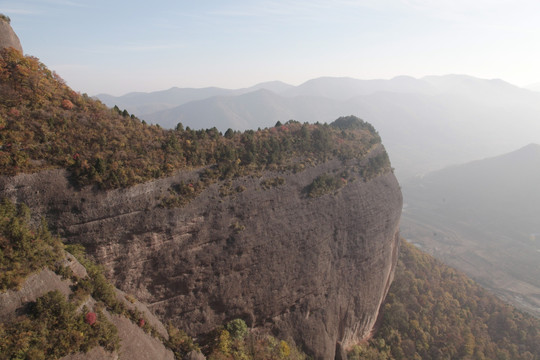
{"x":376,"y":165}
{"x":273,"y":182}
{"x":90,"y":318}
{"x":237,"y":328}
{"x":55,"y":329}
{"x":67,"y":105}
{"x":179,"y":342}
{"x":23,"y":248}
{"x":323,"y":184}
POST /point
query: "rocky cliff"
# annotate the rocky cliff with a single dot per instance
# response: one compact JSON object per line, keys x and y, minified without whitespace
{"x":196,"y":224}
{"x":314,"y":270}
{"x":8,"y":38}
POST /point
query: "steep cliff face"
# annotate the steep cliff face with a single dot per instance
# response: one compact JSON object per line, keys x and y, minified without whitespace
{"x":8,"y":38}
{"x":311,"y":269}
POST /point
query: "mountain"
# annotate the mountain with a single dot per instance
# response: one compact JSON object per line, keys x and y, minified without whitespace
{"x":291,"y":229}
{"x":56,"y":304}
{"x":345,"y":88}
{"x":481,"y":91}
{"x":51,"y":302}
{"x":257,"y":109}
{"x":485,"y":215}
{"x":142,"y":104}
{"x":458,"y":117}
{"x":277,"y":87}
{"x":146,"y":103}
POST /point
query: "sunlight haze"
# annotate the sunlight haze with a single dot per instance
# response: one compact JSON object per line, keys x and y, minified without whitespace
{"x":124,"y":46}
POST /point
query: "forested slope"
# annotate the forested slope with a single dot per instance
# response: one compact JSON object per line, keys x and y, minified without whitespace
{"x":435,"y":312}
{"x":46,"y":124}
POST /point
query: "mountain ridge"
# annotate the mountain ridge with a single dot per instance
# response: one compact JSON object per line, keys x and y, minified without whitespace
{"x":459,"y":117}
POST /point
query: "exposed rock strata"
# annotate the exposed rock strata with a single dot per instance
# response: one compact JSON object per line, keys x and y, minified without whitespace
{"x":312,"y":270}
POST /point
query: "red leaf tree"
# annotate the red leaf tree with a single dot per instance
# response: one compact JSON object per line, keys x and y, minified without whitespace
{"x":90,"y":318}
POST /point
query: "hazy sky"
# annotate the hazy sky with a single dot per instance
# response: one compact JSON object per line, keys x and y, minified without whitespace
{"x":118,"y":46}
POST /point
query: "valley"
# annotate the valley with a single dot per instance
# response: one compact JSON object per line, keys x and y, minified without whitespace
{"x":481,"y":217}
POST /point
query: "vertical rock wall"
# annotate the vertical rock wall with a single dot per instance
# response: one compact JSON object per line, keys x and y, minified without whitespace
{"x":311,"y":270}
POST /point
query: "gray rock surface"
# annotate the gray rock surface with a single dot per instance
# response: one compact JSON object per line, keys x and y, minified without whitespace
{"x":135,"y":344}
{"x":12,"y":302}
{"x":311,"y":270}
{"x":8,"y":38}
{"x":195,"y":355}
{"x":95,"y":353}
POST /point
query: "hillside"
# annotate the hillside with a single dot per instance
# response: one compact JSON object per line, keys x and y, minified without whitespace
{"x":45,"y":125}
{"x":485,"y":215}
{"x":435,"y":312}
{"x":51,"y":305}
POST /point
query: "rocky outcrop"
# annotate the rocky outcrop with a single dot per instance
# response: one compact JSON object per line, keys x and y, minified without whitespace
{"x":311,"y":270}
{"x":13,"y":302}
{"x":8,"y":38}
{"x":135,"y":344}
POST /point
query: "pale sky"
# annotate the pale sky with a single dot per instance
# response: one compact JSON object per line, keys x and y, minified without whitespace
{"x":117,"y":46}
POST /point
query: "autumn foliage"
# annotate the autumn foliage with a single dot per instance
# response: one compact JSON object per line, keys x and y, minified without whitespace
{"x":435,"y":312}
{"x":90,"y":318}
{"x":67,"y":105}
{"x":46,"y":124}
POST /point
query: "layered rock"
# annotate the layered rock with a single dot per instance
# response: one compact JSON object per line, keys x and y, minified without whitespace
{"x":311,"y":270}
{"x":8,"y":38}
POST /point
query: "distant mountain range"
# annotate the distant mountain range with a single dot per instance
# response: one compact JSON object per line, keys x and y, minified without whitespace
{"x":458,"y":118}
{"x":483,"y":217}
{"x":142,"y":104}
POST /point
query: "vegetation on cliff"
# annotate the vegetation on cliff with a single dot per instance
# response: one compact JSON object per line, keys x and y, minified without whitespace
{"x":431,"y":312}
{"x":46,"y":124}
{"x":24,"y":250}
{"x":234,"y":341}
{"x":435,"y":312}
{"x":52,"y":326}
